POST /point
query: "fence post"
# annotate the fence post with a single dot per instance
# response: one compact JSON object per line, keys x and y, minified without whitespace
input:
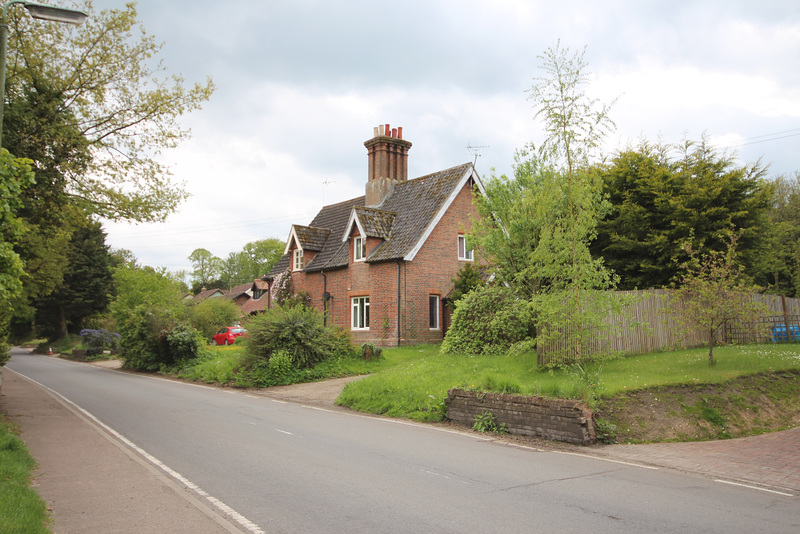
{"x":785,"y":313}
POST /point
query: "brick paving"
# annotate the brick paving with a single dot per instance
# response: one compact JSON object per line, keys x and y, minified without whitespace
{"x":771,"y":460}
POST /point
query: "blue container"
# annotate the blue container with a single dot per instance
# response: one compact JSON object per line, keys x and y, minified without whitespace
{"x":780,"y":333}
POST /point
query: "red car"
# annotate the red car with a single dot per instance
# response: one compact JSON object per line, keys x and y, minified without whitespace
{"x":228,"y":335}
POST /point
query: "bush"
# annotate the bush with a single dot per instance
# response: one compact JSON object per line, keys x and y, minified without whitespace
{"x":300,"y":332}
{"x":488,"y":320}
{"x":153,"y":340}
{"x":180,"y":344}
{"x":100,"y":339}
{"x":371,"y":352}
{"x":212,"y":314}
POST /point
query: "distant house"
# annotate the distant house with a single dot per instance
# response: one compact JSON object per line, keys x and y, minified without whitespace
{"x":240,"y":294}
{"x":381,"y":264}
{"x":208,"y":294}
{"x":259,"y":301}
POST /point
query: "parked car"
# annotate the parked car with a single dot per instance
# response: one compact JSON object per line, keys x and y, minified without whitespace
{"x":228,"y":335}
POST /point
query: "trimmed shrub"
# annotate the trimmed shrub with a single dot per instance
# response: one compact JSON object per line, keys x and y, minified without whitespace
{"x":371,"y":352}
{"x":297,"y":330}
{"x":488,"y":320}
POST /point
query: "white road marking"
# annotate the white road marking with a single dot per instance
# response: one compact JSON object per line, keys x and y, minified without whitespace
{"x":754,"y":487}
{"x":221,"y":506}
{"x":284,"y":432}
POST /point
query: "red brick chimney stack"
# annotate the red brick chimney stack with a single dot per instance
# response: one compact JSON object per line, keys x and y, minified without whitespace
{"x":387,"y":154}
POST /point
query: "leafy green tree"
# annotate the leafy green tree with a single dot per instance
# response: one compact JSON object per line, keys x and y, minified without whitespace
{"x":547,"y":215}
{"x":714,"y":292}
{"x":148,"y":309}
{"x":86,"y":288}
{"x":780,"y":266}
{"x":92,"y":107}
{"x":15,"y":174}
{"x":210,"y":315}
{"x":262,"y":255}
{"x":660,"y":199}
{"x":207,"y":267}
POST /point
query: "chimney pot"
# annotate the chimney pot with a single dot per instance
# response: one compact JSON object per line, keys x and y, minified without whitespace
{"x":387,"y":155}
{"x":376,"y":131}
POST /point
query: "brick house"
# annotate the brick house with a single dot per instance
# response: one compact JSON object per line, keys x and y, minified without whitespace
{"x":381,"y":265}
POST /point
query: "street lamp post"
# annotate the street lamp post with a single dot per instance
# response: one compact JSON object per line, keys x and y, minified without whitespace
{"x":37,"y":11}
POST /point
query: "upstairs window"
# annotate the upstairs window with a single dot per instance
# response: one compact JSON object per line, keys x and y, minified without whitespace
{"x":359,"y":248}
{"x":360,"y":315}
{"x":298,"y":260}
{"x":464,"y":253}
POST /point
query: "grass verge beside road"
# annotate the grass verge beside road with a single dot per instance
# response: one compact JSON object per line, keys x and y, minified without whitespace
{"x":628,"y":393}
{"x":416,"y":388}
{"x":21,"y":508}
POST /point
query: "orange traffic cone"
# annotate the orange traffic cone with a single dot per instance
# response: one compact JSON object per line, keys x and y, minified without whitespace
{"x":51,"y":351}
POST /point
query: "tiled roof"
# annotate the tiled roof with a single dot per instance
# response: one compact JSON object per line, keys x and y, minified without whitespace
{"x":238,"y":290}
{"x":255,"y":305}
{"x":416,"y":203}
{"x":208,"y":293}
{"x":311,"y":237}
{"x":260,"y":284}
{"x":376,"y":223}
{"x":334,"y":218}
{"x":401,"y":220}
{"x":283,"y":265}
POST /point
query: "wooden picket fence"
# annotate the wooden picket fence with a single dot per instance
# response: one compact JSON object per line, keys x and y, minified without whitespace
{"x":650,"y":324}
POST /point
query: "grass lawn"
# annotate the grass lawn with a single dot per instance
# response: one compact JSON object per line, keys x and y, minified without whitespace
{"x":413,"y":381}
{"x":416,"y":383}
{"x":21,"y":508}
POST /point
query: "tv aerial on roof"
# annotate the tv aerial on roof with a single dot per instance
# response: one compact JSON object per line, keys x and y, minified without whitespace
{"x":476,"y":151}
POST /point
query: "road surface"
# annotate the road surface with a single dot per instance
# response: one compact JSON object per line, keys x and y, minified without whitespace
{"x":283,"y":467}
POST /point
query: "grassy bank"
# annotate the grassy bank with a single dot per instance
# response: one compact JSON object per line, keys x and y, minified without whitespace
{"x":21,"y":509}
{"x":417,"y":387}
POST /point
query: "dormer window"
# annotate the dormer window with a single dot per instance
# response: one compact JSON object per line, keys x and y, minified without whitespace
{"x":297,"y":262}
{"x":359,"y":248}
{"x":464,"y":253}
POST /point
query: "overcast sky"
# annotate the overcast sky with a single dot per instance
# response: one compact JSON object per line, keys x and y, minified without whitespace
{"x":302,"y":83}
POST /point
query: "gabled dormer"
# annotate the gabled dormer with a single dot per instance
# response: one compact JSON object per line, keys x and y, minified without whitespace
{"x":303,"y":244}
{"x":368,"y":228}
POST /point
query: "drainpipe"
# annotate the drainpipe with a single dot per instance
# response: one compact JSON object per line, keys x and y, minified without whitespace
{"x":325,"y":298}
{"x":398,"y":302}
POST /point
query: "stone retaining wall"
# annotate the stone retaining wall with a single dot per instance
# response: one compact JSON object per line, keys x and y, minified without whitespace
{"x":555,"y":419}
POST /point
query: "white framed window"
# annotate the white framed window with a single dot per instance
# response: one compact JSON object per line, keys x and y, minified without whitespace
{"x":433,"y":312}
{"x":298,"y":259}
{"x":464,"y":253}
{"x":360,"y":313}
{"x":359,"y":248}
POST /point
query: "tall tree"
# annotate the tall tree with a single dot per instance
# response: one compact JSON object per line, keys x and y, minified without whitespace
{"x":662,"y":197}
{"x":207,"y":267}
{"x":780,"y":266}
{"x":546,"y":216}
{"x":92,"y":107}
{"x":15,"y":174}
{"x":86,"y":288}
